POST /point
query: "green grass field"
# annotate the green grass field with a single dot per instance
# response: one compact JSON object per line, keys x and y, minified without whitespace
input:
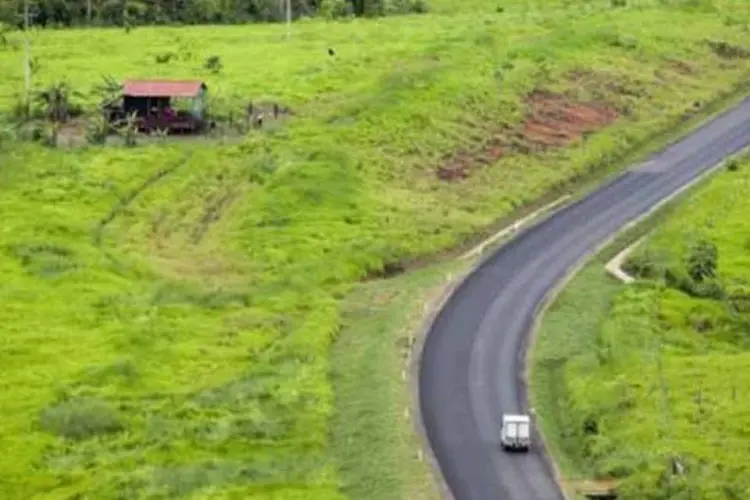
{"x":657,"y":371}
{"x":170,"y":309}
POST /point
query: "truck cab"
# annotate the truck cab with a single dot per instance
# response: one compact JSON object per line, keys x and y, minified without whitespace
{"x":516,"y":432}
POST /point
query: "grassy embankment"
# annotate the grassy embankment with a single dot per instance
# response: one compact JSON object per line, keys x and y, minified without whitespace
{"x":169,"y":310}
{"x":657,"y":371}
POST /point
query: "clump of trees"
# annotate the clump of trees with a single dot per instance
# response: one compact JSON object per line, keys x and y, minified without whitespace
{"x":39,"y":117}
{"x":45,"y":112}
{"x":128,"y":13}
{"x":696,"y":275}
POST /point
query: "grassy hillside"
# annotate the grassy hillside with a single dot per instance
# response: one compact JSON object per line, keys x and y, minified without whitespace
{"x":169,"y":309}
{"x":658,"y":371}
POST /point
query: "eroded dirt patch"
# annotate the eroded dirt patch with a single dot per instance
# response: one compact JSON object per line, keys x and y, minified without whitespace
{"x":461,"y":163}
{"x":553,"y":120}
{"x":556,"y":121}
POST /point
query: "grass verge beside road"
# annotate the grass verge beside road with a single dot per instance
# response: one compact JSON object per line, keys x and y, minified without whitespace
{"x":648,"y":383}
{"x":373,"y":428}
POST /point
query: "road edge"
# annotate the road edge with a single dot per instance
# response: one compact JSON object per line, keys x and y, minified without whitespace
{"x":552,"y":294}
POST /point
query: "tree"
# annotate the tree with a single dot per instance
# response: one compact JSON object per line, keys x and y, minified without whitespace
{"x":56,"y":102}
{"x":130,"y":13}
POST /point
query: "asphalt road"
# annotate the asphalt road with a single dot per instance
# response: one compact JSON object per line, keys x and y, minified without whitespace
{"x":473,"y":357}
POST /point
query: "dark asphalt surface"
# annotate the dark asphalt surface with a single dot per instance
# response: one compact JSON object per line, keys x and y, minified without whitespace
{"x":473,"y":358}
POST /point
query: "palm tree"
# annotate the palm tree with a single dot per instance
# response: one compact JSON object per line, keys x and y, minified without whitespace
{"x":56,"y":101}
{"x":109,"y":90}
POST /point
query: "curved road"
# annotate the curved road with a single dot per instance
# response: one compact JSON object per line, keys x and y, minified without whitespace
{"x":473,"y":358}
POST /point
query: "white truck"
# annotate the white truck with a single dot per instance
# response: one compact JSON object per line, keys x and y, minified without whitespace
{"x":516,"y":432}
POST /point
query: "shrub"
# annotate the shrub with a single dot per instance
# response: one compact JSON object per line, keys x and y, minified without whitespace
{"x":79,"y":419}
{"x":164,"y":57}
{"x":213,"y":64}
{"x":57,"y":104}
{"x":727,"y":50}
{"x":97,"y":130}
{"x":128,"y":130}
{"x":32,"y":131}
{"x":702,"y":260}
{"x":738,"y":300}
{"x":20,"y":110}
{"x":335,"y":9}
{"x":708,"y":289}
{"x":420,"y":6}
{"x":645,"y":264}
{"x":5,"y":30}
{"x":390,"y":7}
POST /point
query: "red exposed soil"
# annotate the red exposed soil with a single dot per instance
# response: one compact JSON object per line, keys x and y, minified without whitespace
{"x":552,"y":121}
{"x":461,"y":163}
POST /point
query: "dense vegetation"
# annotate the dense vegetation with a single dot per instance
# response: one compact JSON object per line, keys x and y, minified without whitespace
{"x":652,"y":385}
{"x":169,"y":308}
{"x":59,"y":13}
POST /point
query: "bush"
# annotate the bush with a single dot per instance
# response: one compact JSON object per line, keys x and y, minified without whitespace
{"x":128,"y":130}
{"x":79,"y":419}
{"x":213,"y":64}
{"x":708,"y":289}
{"x":97,"y":130}
{"x":335,"y":9}
{"x":31,"y":131}
{"x":419,"y":6}
{"x":56,"y":102}
{"x":702,"y":260}
{"x":395,"y":7}
{"x":645,"y":264}
{"x":738,"y":300}
{"x":21,"y":109}
{"x":164,"y":57}
{"x":4,"y":31}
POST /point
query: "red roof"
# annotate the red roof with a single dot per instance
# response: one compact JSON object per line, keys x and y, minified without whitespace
{"x":163,"y":88}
